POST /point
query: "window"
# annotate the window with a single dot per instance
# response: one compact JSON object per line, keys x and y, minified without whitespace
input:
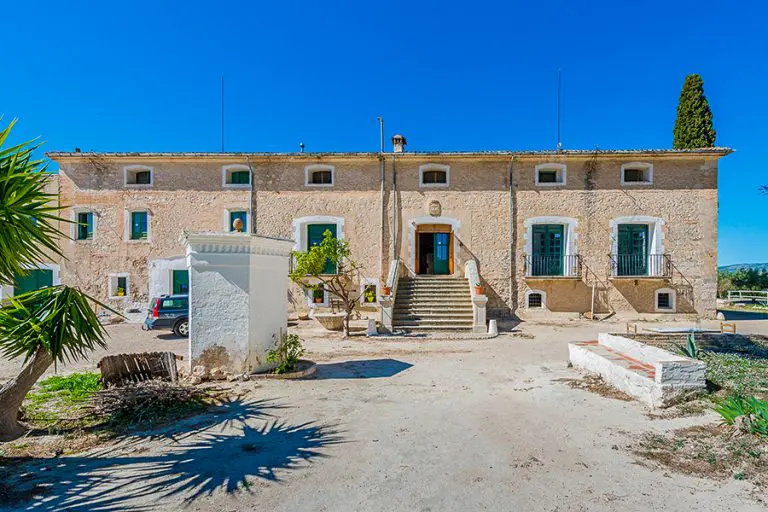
{"x":535,"y":301}
{"x":236,"y":176}
{"x":315,"y":235}
{"x":241,"y":215}
{"x":180,"y":281}
{"x":174,"y":303}
{"x":319,"y":175}
{"x":139,"y":225}
{"x":369,"y":288}
{"x":118,"y":286}
{"x":636,"y":174}
{"x":434,"y":175}
{"x":84,"y":229}
{"x":666,"y":300}
{"x":550,"y":174}
{"x":138,"y":175}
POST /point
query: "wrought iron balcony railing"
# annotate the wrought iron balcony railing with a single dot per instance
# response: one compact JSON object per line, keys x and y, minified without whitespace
{"x":553,"y":266}
{"x":640,"y":265}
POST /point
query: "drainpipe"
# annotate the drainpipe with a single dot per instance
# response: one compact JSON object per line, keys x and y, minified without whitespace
{"x":382,"y":211}
{"x":511,"y":234}
{"x":394,"y":209}
{"x":251,"y":208}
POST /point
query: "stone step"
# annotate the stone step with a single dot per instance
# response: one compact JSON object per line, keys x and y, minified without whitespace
{"x":432,"y":327}
{"x":437,"y":309}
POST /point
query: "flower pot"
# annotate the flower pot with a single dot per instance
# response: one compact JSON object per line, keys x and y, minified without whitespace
{"x":386,"y":291}
{"x":318,"y":300}
{"x":479,"y":290}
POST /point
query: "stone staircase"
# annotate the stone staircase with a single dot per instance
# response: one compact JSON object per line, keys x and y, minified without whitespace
{"x":432,"y":303}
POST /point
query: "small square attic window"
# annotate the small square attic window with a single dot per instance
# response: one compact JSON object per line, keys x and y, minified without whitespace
{"x":550,"y":174}
{"x":636,"y":174}
{"x":319,"y":175}
{"x":138,"y":175}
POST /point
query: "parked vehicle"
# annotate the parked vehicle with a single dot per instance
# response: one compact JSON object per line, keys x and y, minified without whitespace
{"x":170,"y":312}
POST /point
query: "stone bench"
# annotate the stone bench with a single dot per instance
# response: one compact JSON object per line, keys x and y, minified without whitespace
{"x":653,"y":376}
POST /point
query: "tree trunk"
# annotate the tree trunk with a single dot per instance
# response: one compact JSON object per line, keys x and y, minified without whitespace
{"x":13,"y":392}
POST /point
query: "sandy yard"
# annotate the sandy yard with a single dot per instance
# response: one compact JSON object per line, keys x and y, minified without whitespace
{"x":396,"y":425}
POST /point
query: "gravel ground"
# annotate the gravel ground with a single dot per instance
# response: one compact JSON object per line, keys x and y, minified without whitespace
{"x":397,"y":425}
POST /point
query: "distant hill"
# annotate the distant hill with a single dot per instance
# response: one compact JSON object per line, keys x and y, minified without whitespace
{"x":760,"y":267}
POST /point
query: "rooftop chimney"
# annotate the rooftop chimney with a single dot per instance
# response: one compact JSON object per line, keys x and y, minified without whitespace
{"x":398,"y":143}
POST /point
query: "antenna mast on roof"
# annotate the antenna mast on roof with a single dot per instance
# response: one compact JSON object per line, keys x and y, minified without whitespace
{"x":559,"y":140}
{"x":222,"y":113}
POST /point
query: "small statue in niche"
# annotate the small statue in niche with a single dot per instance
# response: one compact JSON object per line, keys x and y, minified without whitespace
{"x":435,"y":209}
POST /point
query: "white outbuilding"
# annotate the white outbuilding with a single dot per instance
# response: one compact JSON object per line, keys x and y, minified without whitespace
{"x":238,"y":298}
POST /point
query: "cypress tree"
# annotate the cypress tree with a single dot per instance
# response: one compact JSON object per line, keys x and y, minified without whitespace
{"x":693,"y":125}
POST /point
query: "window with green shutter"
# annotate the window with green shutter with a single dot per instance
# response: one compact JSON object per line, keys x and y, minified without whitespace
{"x":139,"y":225}
{"x":239,"y":178}
{"x":85,"y":226}
{"x":315,"y":234}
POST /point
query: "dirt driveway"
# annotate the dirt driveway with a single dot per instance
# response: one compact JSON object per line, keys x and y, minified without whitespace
{"x":445,"y":425}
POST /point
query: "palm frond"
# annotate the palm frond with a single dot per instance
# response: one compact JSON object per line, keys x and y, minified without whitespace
{"x":28,"y":214}
{"x":58,"y":318}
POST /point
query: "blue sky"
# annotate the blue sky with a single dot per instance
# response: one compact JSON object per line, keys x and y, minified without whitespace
{"x":129,"y":76}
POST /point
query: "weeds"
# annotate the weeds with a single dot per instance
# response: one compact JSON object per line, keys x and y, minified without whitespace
{"x":749,"y":415}
{"x":287,"y":352}
{"x":60,"y":398}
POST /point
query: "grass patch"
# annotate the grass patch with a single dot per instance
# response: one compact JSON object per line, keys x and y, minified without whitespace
{"x":737,"y":373}
{"x":710,"y":451}
{"x":60,"y":399}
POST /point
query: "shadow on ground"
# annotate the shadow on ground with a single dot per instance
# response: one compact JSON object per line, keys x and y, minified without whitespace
{"x":223,"y":453}
{"x":365,"y":369}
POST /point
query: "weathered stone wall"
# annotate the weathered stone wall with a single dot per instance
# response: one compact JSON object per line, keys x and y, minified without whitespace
{"x":683,"y":194}
{"x":185,"y":195}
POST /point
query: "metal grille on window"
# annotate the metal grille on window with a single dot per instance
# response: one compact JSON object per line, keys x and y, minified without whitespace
{"x":634,"y":175}
{"x":434,"y":177}
{"x":535,"y":300}
{"x":664,"y":301}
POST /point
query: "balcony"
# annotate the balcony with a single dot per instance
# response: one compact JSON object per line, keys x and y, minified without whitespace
{"x":634,"y":266}
{"x":552,"y":267}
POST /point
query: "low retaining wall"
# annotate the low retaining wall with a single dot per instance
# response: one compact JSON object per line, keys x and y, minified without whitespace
{"x":654,"y":376}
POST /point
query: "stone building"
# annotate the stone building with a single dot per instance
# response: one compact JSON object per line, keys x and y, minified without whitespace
{"x":575,"y":232}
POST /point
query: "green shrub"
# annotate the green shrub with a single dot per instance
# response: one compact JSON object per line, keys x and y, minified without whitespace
{"x":751,"y":413}
{"x":287,"y":352}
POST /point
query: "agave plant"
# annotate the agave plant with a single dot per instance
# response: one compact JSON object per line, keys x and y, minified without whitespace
{"x":47,"y":325}
{"x":691,"y":349}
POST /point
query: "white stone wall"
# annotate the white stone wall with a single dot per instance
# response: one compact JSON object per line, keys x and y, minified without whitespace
{"x":237,"y":289}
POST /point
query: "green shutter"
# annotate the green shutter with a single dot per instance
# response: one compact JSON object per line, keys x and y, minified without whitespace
{"x":180,"y":281}
{"x":240,"y":178}
{"x":632,"y":257}
{"x":315,"y":237}
{"x":547,"y":258}
{"x":139,"y":226}
{"x":34,"y":280}
{"x":84,"y":226}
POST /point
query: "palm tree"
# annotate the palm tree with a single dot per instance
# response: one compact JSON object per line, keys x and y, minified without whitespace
{"x":54,"y":324}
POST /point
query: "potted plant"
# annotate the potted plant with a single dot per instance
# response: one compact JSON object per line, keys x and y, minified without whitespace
{"x":479,"y":289}
{"x":386,"y":291}
{"x":121,"y":292}
{"x":370,"y":295}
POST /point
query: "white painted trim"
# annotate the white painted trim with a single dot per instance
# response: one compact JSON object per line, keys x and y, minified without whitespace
{"x":570,"y":233}
{"x":226,"y":170}
{"x":434,"y":167}
{"x":672,"y":297}
{"x":73,"y":229}
{"x":127,"y":225}
{"x":367,"y":281}
{"x":228,"y":211}
{"x":648,"y":169}
{"x":128,"y":168}
{"x":415,"y":222}
{"x":111,"y":291}
{"x":543,"y":300}
{"x":300,"y":228}
{"x":308,"y":170}
{"x":561,"y":169}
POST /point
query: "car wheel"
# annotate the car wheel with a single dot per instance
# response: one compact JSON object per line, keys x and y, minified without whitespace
{"x":181,"y":328}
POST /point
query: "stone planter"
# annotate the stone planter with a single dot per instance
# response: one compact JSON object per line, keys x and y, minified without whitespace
{"x":331,"y":321}
{"x":303,"y":369}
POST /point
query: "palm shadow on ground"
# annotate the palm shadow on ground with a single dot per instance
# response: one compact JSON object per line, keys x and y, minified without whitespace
{"x":361,"y":369}
{"x":242,"y":444}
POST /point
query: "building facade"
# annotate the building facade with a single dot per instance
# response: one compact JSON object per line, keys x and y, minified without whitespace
{"x":577,"y":232}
